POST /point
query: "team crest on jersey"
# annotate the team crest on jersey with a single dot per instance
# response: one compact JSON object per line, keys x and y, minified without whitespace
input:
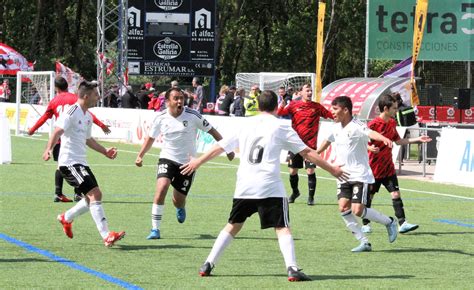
{"x":205,"y":123}
{"x":185,"y":123}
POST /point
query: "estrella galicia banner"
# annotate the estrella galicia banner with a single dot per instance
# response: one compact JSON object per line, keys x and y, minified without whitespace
{"x":171,"y":37}
{"x":448,"y":33}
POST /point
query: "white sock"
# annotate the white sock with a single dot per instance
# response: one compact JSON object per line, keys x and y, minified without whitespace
{"x":97,"y":212}
{"x":287,"y":248}
{"x":156,"y":215}
{"x":353,"y":226}
{"x":223,"y":240}
{"x":79,"y":209}
{"x":373,"y":215}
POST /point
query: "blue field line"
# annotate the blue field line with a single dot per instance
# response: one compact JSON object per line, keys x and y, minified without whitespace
{"x":454,"y":222}
{"x":69,"y":263}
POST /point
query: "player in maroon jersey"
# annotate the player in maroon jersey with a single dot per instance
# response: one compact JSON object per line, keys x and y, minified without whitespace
{"x":381,"y":163}
{"x":60,"y":103}
{"x":305,"y":115}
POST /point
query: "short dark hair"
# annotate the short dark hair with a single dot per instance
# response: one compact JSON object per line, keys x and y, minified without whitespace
{"x":267,"y":101}
{"x":174,"y":89}
{"x":386,"y":101}
{"x":343,"y":102}
{"x":61,"y":83}
{"x":86,"y":87}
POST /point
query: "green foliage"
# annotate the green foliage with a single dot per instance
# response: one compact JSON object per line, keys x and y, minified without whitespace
{"x":436,"y":256}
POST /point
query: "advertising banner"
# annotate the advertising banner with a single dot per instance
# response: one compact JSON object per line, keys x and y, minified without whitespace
{"x":448,"y":33}
{"x":455,"y":162}
{"x":175,"y":38}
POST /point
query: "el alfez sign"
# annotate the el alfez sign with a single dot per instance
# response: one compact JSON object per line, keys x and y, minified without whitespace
{"x":171,"y":37}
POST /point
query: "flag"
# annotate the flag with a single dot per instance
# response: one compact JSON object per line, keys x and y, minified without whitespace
{"x":11,"y":61}
{"x":420,"y":21}
{"x":73,"y":79}
{"x":109,"y":64}
{"x":319,"y":50}
{"x":402,"y":69}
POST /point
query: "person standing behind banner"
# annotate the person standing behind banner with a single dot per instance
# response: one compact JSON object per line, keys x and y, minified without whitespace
{"x":251,"y":103}
{"x":237,"y":108}
{"x":59,"y":104}
{"x":198,"y":94}
{"x":5,"y":91}
{"x":381,"y":161}
{"x":128,"y":99}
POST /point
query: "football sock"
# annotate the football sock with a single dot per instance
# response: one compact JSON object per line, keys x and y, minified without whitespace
{"x":399,"y":211}
{"x":58,"y":182}
{"x":375,"y":216}
{"x":287,"y":248}
{"x":368,"y":205}
{"x":353,"y":226}
{"x":156,"y":214}
{"x":312,"y":184}
{"x":79,"y":209}
{"x":294,"y":182}
{"x":97,"y":212}
{"x":221,"y":243}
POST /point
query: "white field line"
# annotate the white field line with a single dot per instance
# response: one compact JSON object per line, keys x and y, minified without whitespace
{"x":224,"y":165}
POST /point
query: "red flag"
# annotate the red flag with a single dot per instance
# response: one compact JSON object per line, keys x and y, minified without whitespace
{"x":73,"y":79}
{"x":109,"y":64}
{"x":11,"y":61}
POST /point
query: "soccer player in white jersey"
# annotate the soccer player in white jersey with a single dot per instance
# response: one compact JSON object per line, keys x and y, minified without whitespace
{"x":351,"y":137}
{"x":74,"y":128}
{"x":259,"y":186}
{"x":178,"y":125}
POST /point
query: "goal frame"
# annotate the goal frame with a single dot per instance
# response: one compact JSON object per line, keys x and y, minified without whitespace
{"x":286,"y":75}
{"x":19,"y":76}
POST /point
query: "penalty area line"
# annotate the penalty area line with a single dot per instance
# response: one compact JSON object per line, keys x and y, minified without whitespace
{"x":69,"y":263}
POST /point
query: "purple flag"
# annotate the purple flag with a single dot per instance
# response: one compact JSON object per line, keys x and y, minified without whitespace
{"x":400,"y":70}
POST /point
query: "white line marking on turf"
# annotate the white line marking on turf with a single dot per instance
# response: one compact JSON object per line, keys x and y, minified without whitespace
{"x":286,"y":173}
{"x":333,"y":179}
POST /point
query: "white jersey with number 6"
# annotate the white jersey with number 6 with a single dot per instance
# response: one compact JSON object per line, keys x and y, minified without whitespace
{"x":260,"y":140}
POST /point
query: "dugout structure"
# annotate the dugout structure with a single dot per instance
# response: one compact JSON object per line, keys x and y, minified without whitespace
{"x":32,"y":88}
{"x":273,"y":81}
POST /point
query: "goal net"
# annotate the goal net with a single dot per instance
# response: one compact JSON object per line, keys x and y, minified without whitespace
{"x":32,"y":88}
{"x":273,"y":81}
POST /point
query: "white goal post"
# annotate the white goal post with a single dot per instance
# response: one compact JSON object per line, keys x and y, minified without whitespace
{"x":33,"y":88}
{"x":273,"y":81}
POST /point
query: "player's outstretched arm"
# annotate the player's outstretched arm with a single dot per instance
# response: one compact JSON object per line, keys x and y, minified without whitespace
{"x":323,"y":146}
{"x":195,"y":163}
{"x":145,"y":147}
{"x":314,"y":157}
{"x":420,"y":139}
{"x":110,"y":153}
{"x":379,"y":137}
{"x":217,"y":136}
{"x":51,"y":142}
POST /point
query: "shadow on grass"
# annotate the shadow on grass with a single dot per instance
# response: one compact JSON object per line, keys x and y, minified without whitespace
{"x":211,"y":237}
{"x":438,"y":233}
{"x":125,"y":202}
{"x":355,"y":277}
{"x":427,"y":250}
{"x":24,"y":260}
{"x":316,"y":278}
{"x":151,"y":247}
